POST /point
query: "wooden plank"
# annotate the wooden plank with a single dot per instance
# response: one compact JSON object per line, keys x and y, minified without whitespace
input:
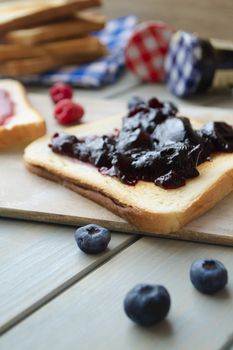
{"x":39,"y":261}
{"x":90,"y":314}
{"x":203,"y":18}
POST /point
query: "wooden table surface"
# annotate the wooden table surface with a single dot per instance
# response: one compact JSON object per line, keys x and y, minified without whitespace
{"x":54,"y":296}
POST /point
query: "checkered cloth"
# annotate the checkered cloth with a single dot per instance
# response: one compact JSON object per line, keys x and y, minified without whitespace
{"x":146,"y":50}
{"x":183,"y":64}
{"x":104,"y":71}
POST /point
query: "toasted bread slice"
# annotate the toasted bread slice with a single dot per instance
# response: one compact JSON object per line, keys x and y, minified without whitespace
{"x":148,"y":207}
{"x":15,"y":52}
{"x":29,"y":14}
{"x":80,"y":25}
{"x":12,"y":55}
{"x":56,"y":54}
{"x":26,"y":124}
{"x":80,"y":47}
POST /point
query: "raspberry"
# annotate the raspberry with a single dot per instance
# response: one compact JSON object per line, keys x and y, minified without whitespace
{"x":68,"y":112}
{"x":60,"y":91}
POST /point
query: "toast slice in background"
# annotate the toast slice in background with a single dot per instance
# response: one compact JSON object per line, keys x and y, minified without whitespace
{"x":15,"y":52}
{"x":148,"y":207}
{"x":80,"y":25}
{"x":26,"y":124}
{"x":54,"y":55}
{"x":28,"y":14}
{"x":75,"y":48}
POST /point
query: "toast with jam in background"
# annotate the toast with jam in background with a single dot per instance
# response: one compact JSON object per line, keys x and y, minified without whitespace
{"x":20,"y":123}
{"x":154,"y":168}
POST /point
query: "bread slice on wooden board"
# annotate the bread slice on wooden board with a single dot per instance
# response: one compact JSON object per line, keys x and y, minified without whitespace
{"x":80,"y":25}
{"x":54,"y":55}
{"x":146,"y":206}
{"x":28,"y":14}
{"x":26,"y":124}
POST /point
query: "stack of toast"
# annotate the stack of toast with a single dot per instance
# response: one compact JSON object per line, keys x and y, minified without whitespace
{"x":39,"y":36}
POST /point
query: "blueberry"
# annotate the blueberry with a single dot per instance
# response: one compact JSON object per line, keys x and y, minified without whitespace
{"x":208,"y":275}
{"x":92,"y":239}
{"x":147,"y":304}
{"x":135,"y":101}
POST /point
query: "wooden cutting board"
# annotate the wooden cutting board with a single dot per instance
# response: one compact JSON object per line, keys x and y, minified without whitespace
{"x":26,"y":196}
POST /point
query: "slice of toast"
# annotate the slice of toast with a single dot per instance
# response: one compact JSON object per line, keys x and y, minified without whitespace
{"x":146,"y":206}
{"x":83,"y":47}
{"x":80,"y":47}
{"x":15,"y":51}
{"x":29,"y":14}
{"x":80,"y":25}
{"x":26,"y":124}
{"x":56,"y":54}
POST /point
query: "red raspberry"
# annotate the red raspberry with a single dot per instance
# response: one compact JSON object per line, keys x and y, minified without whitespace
{"x":60,"y":91}
{"x":68,"y":112}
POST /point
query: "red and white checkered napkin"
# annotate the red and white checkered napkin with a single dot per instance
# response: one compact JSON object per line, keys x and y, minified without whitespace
{"x":146,"y":50}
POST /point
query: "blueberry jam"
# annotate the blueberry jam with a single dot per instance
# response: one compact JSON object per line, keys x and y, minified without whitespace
{"x":154,"y":145}
{"x":6,"y":107}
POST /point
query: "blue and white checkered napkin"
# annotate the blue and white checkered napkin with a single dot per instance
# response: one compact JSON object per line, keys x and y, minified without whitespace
{"x":104,"y":71}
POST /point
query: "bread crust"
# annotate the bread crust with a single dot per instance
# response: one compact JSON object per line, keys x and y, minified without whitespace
{"x":80,"y":25}
{"x":55,"y":54}
{"x":141,"y":219}
{"x":25,"y":131}
{"x":17,"y":16}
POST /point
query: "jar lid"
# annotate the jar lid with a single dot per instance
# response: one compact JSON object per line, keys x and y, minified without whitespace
{"x":146,"y":50}
{"x":183,"y":64}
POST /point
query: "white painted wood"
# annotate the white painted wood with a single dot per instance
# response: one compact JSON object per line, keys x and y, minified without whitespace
{"x":90,"y":314}
{"x":38,"y":261}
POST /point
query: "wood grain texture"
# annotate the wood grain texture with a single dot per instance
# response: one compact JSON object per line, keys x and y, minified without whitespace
{"x":94,"y":306}
{"x":39,"y":261}
{"x":210,"y":18}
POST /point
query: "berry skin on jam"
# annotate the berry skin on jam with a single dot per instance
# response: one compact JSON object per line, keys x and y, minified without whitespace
{"x":154,"y":144}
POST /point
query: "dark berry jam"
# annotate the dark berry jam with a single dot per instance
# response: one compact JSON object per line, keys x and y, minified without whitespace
{"x":154,"y":145}
{"x":7,"y":107}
